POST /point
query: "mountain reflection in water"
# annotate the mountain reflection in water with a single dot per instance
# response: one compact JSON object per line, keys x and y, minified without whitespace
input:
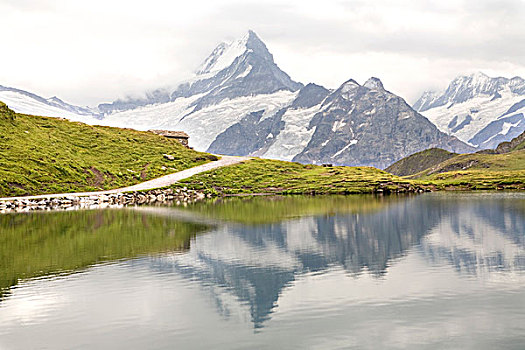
{"x":256,"y":262}
{"x":428,"y":271}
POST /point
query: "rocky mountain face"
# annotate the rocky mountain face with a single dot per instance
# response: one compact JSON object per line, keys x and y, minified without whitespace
{"x":254,"y":135}
{"x":367,"y":125}
{"x":516,"y":144}
{"x":241,"y":103}
{"x":478,"y":109}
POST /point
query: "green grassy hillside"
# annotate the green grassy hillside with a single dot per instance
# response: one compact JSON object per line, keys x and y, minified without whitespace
{"x":420,"y":161}
{"x":501,"y":168}
{"x":41,"y":155}
{"x":512,"y":161}
{"x":278,"y":177}
{"x":479,"y":171}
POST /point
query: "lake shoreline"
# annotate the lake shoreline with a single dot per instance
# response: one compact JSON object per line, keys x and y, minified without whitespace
{"x":93,"y":201}
{"x":183,"y":196}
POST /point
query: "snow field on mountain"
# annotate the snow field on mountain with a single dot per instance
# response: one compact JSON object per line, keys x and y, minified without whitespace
{"x":482,"y":109}
{"x":21,"y":103}
{"x":295,"y":136}
{"x":352,"y":142}
{"x":204,"y":125}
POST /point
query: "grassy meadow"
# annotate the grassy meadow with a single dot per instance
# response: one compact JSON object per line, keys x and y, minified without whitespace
{"x":40,"y":155}
{"x":279,"y":177}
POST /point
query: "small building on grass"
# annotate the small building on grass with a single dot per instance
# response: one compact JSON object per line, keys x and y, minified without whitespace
{"x":180,"y":136}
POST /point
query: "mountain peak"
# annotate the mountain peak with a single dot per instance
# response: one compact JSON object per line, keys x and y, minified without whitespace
{"x":479,"y":75}
{"x":243,"y":67}
{"x":251,"y":35}
{"x":374,"y":83}
{"x":225,"y":53}
{"x":474,"y":79}
{"x":55,"y":99}
{"x":254,"y":43}
{"x":350,"y":84}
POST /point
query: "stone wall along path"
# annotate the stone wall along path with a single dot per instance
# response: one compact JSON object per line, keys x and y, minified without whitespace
{"x":160,"y":182}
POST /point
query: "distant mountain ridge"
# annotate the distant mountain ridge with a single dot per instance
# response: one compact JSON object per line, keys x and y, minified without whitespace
{"x":478,"y":109}
{"x":26,"y":102}
{"x":464,"y":88}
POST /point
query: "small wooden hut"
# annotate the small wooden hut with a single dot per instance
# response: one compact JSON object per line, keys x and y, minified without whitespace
{"x":180,"y":136}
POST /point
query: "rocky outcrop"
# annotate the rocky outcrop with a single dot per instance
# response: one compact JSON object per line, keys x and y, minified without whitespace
{"x":249,"y":136}
{"x":515,"y":144}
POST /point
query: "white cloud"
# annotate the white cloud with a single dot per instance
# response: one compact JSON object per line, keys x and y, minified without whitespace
{"x":90,"y":52}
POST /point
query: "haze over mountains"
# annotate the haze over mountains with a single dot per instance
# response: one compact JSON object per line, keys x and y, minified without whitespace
{"x":240,"y":102}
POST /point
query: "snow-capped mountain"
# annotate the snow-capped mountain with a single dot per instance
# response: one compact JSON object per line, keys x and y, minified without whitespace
{"x":244,"y":67}
{"x":239,"y":102}
{"x":28,"y":103}
{"x":478,"y":109}
{"x":354,"y":125}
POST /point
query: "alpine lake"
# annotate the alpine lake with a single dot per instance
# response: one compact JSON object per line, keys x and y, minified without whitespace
{"x":430,"y":271}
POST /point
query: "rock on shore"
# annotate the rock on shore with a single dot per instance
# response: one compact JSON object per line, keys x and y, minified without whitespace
{"x":182,"y":195}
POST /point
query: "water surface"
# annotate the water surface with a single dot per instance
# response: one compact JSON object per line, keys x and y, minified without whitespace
{"x":432,"y":271}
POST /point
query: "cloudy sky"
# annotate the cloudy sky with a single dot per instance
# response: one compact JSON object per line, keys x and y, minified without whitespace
{"x":87,"y":52}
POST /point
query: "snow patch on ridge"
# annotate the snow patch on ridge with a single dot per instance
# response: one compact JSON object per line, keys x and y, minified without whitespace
{"x":246,"y":72}
{"x":338,"y":124}
{"x":507,"y":126}
{"x":352,"y":142}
